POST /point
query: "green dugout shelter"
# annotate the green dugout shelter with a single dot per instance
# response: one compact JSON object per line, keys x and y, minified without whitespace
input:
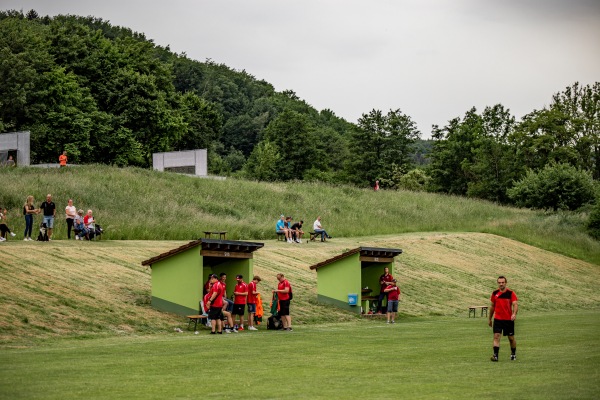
{"x":351,"y":280}
{"x":178,"y":275}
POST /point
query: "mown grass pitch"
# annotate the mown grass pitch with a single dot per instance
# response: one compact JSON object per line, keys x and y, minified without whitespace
{"x":558,"y":358}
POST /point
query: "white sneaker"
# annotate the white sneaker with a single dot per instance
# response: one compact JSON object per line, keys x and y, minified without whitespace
{"x":235,"y":330}
{"x":2,"y":239}
{"x":289,"y":240}
{"x":227,"y":330}
{"x":30,"y":239}
{"x":26,"y":239}
{"x":299,"y":241}
{"x":252,"y":328}
{"x":13,"y":234}
{"x":76,"y":237}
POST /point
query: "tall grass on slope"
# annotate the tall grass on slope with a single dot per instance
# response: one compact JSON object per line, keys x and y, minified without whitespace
{"x":133,"y":203}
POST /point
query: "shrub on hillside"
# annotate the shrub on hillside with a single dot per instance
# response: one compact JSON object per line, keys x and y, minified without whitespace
{"x":415,"y":180}
{"x":594,"y":221}
{"x":556,"y":187}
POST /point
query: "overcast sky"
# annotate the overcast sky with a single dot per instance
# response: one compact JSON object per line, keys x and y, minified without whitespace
{"x":433,"y":59}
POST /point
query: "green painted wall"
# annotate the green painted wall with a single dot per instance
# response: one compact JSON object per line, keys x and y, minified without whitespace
{"x":338,"y":279}
{"x":178,"y":280}
{"x":349,"y":275}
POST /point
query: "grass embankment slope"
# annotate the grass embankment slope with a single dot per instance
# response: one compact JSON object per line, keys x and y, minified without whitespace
{"x":100,"y":289}
{"x":141,"y":204}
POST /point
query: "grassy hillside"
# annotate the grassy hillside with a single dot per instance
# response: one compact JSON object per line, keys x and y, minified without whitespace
{"x":139,"y":204}
{"x":95,"y":289}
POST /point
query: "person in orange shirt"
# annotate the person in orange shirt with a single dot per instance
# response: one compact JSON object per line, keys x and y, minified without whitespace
{"x":62,"y":159}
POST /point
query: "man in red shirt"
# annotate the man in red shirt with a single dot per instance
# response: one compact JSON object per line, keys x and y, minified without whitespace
{"x":251,"y":300}
{"x":393,"y":292}
{"x":384,"y":280}
{"x":240,"y":294}
{"x":283,"y":293}
{"x":215,"y":302}
{"x":504,"y":310}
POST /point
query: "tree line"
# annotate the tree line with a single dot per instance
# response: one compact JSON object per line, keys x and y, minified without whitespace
{"x":106,"y":94}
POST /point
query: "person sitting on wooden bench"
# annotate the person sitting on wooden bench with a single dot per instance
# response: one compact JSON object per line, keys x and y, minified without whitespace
{"x":297,"y":231}
{"x":280,"y":228}
{"x":319,"y":229}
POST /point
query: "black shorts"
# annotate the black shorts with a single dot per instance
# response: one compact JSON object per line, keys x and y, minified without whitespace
{"x":506,"y":326}
{"x":284,"y":307}
{"x":215,"y":313}
{"x":238,"y":309}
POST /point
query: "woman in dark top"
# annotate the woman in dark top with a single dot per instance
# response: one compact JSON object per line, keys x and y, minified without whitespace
{"x":28,"y":211}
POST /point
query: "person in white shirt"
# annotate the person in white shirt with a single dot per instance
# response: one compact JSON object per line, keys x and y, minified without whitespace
{"x":317,"y":228}
{"x":70,"y":213}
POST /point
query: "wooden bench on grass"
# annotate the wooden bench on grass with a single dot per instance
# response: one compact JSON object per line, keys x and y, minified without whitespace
{"x":314,"y":235}
{"x":196,"y":317}
{"x":221,"y":234}
{"x":472,"y":309}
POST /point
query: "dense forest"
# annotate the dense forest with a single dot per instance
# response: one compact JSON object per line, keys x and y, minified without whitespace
{"x":109,"y":95}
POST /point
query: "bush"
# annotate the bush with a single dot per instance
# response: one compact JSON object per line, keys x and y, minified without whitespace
{"x":594,"y":222}
{"x":415,"y":180}
{"x":556,"y":187}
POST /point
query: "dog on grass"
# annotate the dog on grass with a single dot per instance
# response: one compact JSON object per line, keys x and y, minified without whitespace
{"x":43,"y":235}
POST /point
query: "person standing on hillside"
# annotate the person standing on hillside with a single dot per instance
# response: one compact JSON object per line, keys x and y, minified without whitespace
{"x":504,"y":310}
{"x":252,"y":299}
{"x":70,"y":213}
{"x":384,"y":280}
{"x":215,"y":304}
{"x":28,"y":211}
{"x":49,"y":209}
{"x":62,"y":159}
{"x":283,"y":293}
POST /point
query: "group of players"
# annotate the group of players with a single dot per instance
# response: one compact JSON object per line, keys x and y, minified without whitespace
{"x":222,"y":310}
{"x":225,"y":314}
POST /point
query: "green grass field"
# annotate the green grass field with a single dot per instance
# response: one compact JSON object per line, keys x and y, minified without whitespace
{"x":417,"y":358}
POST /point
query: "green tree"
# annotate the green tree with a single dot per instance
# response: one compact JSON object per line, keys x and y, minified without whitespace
{"x":263,"y":163}
{"x":379,"y":143}
{"x":453,"y":153}
{"x":293,"y":136}
{"x":556,"y":187}
{"x":493,"y":168}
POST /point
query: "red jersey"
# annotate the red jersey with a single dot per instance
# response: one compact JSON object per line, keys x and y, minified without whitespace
{"x":393,"y":295}
{"x":240,"y":298}
{"x":502,"y":302}
{"x":251,"y":289}
{"x":206,"y":298}
{"x":282,"y":286}
{"x":386,"y":279}
{"x":217,"y":288}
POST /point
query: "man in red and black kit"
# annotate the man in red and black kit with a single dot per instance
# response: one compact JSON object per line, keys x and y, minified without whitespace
{"x":283,"y":293}
{"x":215,"y":302}
{"x":504,"y":308}
{"x":384,"y":280}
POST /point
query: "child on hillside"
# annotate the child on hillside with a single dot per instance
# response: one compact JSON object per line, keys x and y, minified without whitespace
{"x":3,"y":227}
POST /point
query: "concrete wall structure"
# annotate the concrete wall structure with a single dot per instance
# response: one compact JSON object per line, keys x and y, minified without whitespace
{"x":19,"y":142}
{"x":196,"y":158}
